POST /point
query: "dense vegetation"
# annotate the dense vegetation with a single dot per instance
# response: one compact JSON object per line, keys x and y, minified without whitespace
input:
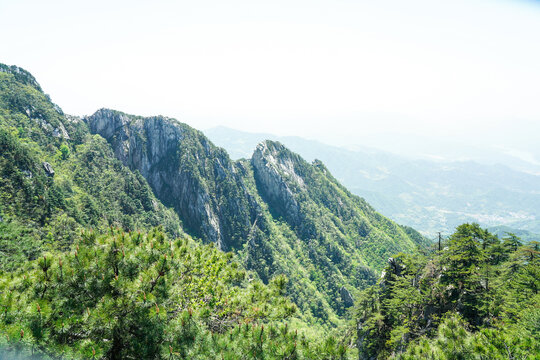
{"x":72,"y":286}
{"x":144,"y":296}
{"x":58,"y":178}
{"x":50,"y":187}
{"x":93,"y":265}
{"x":277,"y":212}
{"x":477,"y":298}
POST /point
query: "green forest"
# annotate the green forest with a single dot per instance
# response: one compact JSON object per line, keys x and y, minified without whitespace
{"x":269,"y":258}
{"x":476,"y":298}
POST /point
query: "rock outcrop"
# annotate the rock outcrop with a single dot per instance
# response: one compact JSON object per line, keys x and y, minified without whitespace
{"x":346,"y":297}
{"x":48,"y":169}
{"x":272,"y":165}
{"x":186,"y":172}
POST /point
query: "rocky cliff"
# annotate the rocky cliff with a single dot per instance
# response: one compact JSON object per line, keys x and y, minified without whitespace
{"x":271,"y":165}
{"x":279,"y":212}
{"x":185,"y":171}
{"x":318,"y":208}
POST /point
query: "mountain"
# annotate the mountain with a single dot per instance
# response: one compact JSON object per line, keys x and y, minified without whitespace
{"x":279,"y":214}
{"x":136,"y":237}
{"x":503,"y":231}
{"x":57,"y":179}
{"x":429,"y":195}
{"x":92,"y":264}
{"x":521,"y":156}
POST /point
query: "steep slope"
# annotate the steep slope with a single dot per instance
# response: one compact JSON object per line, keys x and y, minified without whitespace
{"x":56,"y":178}
{"x":317,"y":207}
{"x":279,"y":213}
{"x":77,"y":282}
{"x":186,"y":172}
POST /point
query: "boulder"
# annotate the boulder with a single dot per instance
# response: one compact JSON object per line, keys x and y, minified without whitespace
{"x":346,"y":297}
{"x":48,"y":169}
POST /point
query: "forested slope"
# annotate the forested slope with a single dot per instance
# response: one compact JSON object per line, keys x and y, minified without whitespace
{"x":281,"y":214}
{"x":93,"y":265}
{"x":93,"y":257}
{"x":57,"y":178}
{"x":476,"y":298}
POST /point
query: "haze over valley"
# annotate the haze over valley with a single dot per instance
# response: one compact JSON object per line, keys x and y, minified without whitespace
{"x":430,"y":195}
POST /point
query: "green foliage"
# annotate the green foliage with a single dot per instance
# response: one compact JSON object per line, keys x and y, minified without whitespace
{"x":63,"y":152}
{"x":335,"y":241}
{"x":330,"y":246}
{"x":455,"y":341}
{"x":89,"y":188}
{"x":476,"y":299}
{"x":135,"y":295}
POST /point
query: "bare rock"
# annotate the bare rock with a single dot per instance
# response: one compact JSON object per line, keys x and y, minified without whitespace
{"x":346,"y":297}
{"x":48,"y":169}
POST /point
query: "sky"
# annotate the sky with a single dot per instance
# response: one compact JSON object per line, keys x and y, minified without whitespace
{"x":400,"y":75}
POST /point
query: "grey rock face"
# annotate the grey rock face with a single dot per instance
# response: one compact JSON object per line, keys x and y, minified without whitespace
{"x":185,"y":171}
{"x":346,"y":297}
{"x":48,"y":169}
{"x":61,"y":132}
{"x":270,"y":171}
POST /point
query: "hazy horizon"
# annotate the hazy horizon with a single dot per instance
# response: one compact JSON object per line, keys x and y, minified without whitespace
{"x":444,"y":151}
{"x":344,"y":73}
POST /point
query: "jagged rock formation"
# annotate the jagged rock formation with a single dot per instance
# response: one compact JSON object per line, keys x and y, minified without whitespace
{"x":186,"y":172}
{"x":208,"y":191}
{"x":346,"y":297}
{"x":48,"y":169}
{"x":275,"y":209}
{"x":269,"y":165}
{"x":317,"y":206}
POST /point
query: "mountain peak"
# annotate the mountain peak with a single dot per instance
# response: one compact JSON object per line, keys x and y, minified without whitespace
{"x":274,"y":155}
{"x":21,"y":75}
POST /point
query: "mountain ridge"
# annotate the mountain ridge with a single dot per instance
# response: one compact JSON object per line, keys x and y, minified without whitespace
{"x":113,"y":169}
{"x":237,"y":204}
{"x":94,"y":265}
{"x":430,"y":196}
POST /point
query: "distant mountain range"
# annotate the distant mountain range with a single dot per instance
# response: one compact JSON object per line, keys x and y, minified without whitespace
{"x":523,"y":157}
{"x":502,"y":231}
{"x":429,"y":195}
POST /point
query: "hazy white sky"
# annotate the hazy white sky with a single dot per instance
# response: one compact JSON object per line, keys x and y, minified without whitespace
{"x":334,"y":70}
